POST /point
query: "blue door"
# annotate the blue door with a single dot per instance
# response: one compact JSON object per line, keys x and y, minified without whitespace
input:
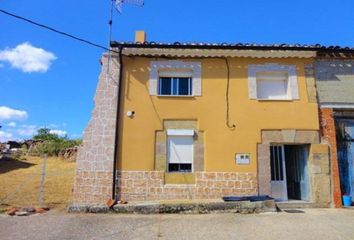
{"x":351,"y":166}
{"x":345,"y":144}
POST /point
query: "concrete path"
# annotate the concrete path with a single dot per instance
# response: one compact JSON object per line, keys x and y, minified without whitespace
{"x":313,"y":224}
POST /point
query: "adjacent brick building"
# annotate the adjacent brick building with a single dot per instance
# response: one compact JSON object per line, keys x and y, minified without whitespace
{"x":335,"y":87}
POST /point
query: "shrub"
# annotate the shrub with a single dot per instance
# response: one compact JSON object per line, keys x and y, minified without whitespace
{"x":52,"y":143}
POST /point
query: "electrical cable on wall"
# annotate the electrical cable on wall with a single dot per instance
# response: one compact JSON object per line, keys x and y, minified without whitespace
{"x":233,"y":126}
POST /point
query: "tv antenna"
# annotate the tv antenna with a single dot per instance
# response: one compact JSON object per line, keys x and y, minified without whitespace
{"x":118,"y":5}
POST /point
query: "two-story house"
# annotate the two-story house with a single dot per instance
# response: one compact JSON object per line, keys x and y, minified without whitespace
{"x":202,"y":121}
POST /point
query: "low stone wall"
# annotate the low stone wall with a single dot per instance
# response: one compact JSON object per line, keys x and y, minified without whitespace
{"x":150,"y":185}
{"x":243,"y":207}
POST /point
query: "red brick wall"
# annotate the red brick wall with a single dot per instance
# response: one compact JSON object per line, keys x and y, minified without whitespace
{"x":328,"y":135}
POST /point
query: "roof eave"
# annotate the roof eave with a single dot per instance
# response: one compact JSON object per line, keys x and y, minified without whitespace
{"x":318,"y":49}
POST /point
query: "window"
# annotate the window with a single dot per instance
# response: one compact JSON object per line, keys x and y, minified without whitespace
{"x":180,"y":151}
{"x":175,"y":86}
{"x":180,"y":167}
{"x":272,"y":85}
{"x":185,"y":72}
{"x":273,"y":82}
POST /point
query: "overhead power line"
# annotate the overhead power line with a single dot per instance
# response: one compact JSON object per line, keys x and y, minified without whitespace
{"x":57,"y":31}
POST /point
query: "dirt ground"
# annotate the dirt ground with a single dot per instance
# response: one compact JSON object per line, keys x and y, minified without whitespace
{"x":326,"y":224}
{"x":20,"y":182}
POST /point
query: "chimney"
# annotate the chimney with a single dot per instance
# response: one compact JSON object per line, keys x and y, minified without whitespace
{"x":140,"y":36}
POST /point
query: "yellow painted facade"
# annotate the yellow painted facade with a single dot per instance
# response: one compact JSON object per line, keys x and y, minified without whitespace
{"x":137,"y":134}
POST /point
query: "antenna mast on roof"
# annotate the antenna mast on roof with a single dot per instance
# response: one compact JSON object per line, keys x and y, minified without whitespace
{"x":118,"y":5}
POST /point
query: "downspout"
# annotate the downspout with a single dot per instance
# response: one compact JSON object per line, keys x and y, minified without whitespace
{"x":116,"y":142}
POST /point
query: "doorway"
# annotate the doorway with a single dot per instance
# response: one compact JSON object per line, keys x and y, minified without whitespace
{"x":289,"y":172}
{"x":345,"y":148}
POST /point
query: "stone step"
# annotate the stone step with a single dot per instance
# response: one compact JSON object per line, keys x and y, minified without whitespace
{"x":299,"y":205}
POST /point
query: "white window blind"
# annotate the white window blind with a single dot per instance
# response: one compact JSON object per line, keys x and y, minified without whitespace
{"x":273,"y":81}
{"x":180,"y":149}
{"x":180,"y":132}
{"x":272,"y":85}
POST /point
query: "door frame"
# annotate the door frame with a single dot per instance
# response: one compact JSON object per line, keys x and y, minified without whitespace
{"x":297,"y":167}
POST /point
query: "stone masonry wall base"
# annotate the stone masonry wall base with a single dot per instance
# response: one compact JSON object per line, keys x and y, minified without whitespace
{"x":186,"y":208}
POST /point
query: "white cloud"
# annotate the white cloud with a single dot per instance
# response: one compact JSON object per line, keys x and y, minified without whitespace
{"x":30,"y":130}
{"x":7,"y":113}
{"x":27,"y":130}
{"x":60,"y":133}
{"x":11,"y":124}
{"x":28,"y":58}
{"x":5,"y":136}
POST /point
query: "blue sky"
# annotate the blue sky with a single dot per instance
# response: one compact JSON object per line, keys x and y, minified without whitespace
{"x":52,"y":79}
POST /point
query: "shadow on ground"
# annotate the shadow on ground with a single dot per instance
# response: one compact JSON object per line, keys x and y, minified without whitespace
{"x":8,"y":164}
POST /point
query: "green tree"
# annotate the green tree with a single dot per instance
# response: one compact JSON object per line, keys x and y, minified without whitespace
{"x":44,"y":134}
{"x":52,"y":143}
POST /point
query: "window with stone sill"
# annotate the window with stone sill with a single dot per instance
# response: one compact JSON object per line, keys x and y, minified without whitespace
{"x":272,"y":82}
{"x":175,"y":78}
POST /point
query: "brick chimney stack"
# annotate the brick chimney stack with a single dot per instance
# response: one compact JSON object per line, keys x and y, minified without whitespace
{"x":140,"y":36}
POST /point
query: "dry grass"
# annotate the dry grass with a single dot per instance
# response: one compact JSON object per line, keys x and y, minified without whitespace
{"x":20,"y":182}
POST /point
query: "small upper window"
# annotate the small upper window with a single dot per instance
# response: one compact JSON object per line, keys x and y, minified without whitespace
{"x":273,"y":82}
{"x":272,"y":85}
{"x":175,"y":86}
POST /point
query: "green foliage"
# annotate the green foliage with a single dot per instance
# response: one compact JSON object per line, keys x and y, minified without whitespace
{"x":44,"y":134}
{"x":52,"y":143}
